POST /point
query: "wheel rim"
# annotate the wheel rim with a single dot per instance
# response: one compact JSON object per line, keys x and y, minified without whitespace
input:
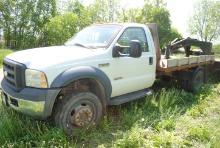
{"x":82,"y":114}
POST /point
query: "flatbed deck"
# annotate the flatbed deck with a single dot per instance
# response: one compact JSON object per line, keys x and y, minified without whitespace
{"x":181,"y":63}
{"x":196,"y":54}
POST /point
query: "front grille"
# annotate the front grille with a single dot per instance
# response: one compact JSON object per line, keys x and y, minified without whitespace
{"x":14,"y":74}
{"x":9,"y":73}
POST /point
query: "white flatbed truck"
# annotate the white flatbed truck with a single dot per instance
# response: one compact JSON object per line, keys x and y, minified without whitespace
{"x":104,"y":64}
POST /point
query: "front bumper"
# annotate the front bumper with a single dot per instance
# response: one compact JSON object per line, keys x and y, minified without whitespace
{"x":34,"y":102}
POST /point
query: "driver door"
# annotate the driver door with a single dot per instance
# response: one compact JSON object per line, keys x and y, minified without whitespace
{"x":130,"y":74}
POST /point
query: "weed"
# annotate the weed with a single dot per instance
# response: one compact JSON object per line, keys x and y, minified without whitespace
{"x":132,"y":138}
{"x":199,"y":133}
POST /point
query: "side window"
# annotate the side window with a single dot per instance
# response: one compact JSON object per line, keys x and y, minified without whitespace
{"x":133,"y":34}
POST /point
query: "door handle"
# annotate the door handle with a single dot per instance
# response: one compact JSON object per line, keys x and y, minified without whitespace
{"x":151,"y":60}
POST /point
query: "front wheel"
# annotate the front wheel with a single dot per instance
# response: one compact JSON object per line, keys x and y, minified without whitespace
{"x":78,"y":110}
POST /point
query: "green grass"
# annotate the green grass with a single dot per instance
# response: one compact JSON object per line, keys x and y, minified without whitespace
{"x":3,"y":53}
{"x":169,"y":118}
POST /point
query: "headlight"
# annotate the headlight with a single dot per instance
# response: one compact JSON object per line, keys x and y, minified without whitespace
{"x":34,"y":78}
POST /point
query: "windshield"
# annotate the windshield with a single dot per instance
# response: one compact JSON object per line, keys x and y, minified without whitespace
{"x":95,"y":36}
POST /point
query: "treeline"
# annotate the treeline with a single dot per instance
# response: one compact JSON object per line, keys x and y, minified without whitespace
{"x":34,"y":23}
{"x":23,"y":21}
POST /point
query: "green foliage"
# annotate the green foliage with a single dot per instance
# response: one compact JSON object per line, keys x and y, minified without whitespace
{"x":2,"y":45}
{"x":206,"y":19}
{"x":167,"y":124}
{"x":60,"y":29}
{"x":3,"y":53}
{"x":27,"y":24}
{"x":22,"y":21}
{"x":130,"y":15}
{"x":161,"y":16}
{"x":103,"y":11}
{"x":174,"y":34}
{"x":18,"y":130}
{"x":84,"y":17}
{"x":199,"y":133}
{"x":132,"y":138}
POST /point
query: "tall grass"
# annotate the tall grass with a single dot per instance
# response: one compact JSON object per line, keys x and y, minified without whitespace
{"x":18,"y":130}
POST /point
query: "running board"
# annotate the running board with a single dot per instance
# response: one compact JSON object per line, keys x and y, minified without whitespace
{"x":130,"y":97}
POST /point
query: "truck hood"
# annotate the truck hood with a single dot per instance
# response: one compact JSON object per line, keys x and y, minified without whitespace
{"x":39,"y":58}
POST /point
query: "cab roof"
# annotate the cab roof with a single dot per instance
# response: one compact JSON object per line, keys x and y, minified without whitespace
{"x":123,"y":24}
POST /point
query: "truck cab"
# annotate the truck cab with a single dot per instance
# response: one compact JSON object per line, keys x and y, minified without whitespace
{"x":104,"y":64}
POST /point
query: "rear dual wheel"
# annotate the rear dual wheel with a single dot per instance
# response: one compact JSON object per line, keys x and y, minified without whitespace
{"x":193,"y":80}
{"x":197,"y":80}
{"x":77,"y":111}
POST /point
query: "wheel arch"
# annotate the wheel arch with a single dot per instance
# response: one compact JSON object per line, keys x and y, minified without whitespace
{"x":97,"y":78}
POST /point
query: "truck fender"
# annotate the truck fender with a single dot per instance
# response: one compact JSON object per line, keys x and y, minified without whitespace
{"x":81,"y":72}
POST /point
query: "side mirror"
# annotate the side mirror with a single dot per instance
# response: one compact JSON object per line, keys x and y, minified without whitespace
{"x":135,"y":49}
{"x":116,"y":50}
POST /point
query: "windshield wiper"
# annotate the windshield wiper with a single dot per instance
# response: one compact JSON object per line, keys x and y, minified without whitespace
{"x":79,"y":44}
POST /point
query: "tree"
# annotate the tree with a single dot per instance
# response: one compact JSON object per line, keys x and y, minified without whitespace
{"x":205,"y":23}
{"x":160,"y":16}
{"x":129,"y":15}
{"x":22,"y":21}
{"x":84,"y":18}
{"x":99,"y":11}
{"x":174,"y":34}
{"x":60,"y":28}
{"x":104,"y":10}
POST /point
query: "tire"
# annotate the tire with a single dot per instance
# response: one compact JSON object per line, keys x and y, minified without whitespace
{"x":185,"y":80}
{"x":198,"y":80}
{"x":192,"y":80}
{"x":77,"y":111}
